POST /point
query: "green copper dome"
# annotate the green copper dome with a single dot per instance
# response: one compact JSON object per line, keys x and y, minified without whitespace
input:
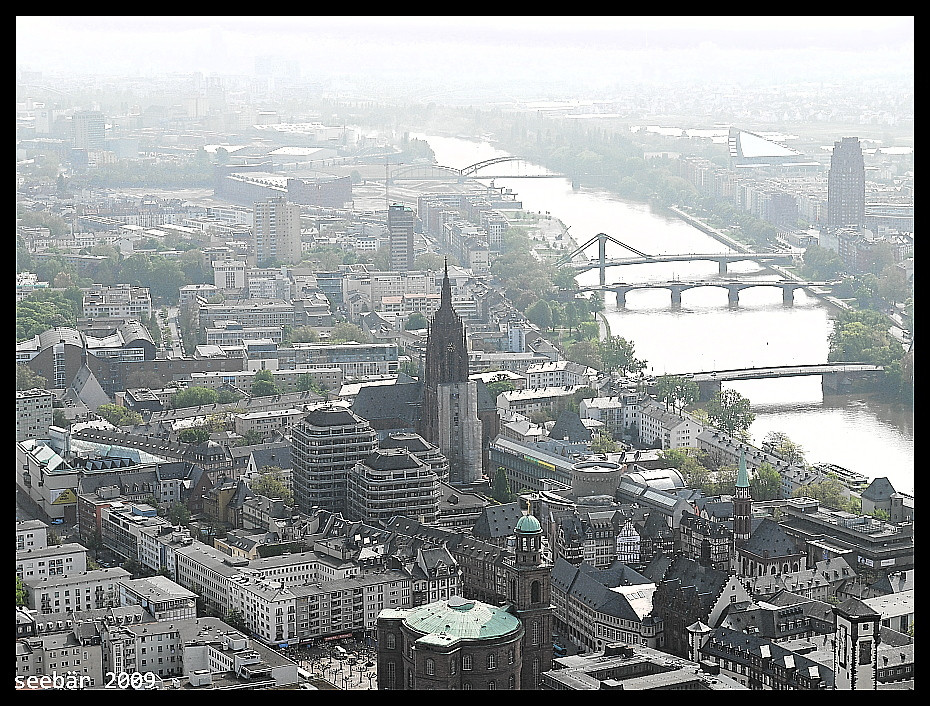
{"x":528,"y":525}
{"x":459,"y":618}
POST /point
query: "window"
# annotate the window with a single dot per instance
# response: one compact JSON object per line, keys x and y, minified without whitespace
{"x":430,"y":667}
{"x":391,"y":641}
{"x":466,"y":663}
{"x":510,"y":656}
{"x":865,"y":652}
{"x":492,"y":685}
{"x":492,"y":661}
{"x":535,"y":637}
{"x":512,"y":682}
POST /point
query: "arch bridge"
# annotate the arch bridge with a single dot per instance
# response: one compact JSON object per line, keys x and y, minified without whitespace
{"x":425,"y":172}
{"x":733,"y":287}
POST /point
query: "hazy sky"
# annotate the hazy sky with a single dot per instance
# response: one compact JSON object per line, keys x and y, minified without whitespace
{"x":483,"y":49}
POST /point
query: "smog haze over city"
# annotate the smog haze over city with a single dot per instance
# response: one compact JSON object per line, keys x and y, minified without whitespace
{"x":465,"y":352}
{"x":494,"y":58}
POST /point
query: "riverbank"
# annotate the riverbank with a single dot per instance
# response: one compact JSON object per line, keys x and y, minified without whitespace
{"x":723,"y":238}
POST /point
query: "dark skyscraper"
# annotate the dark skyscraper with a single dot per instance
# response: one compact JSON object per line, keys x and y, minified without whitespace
{"x":846,"y":185}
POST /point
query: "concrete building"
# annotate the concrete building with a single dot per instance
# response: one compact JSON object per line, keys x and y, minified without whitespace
{"x":327,"y":444}
{"x":77,"y":592}
{"x":401,"y":222}
{"x":392,"y":482}
{"x":277,"y":231}
{"x":229,"y":275}
{"x":33,"y":414}
{"x":58,"y":560}
{"x":117,"y":302}
{"x":633,"y":667}
{"x":88,"y":130}
{"x":161,"y":597}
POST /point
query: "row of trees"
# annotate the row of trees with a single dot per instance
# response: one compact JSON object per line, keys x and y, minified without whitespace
{"x":862,"y":336}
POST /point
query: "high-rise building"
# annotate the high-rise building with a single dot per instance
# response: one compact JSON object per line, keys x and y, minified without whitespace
{"x":846,"y":185}
{"x":391,"y":482}
{"x":277,"y":231}
{"x":326,"y":445}
{"x":449,"y":414}
{"x":88,"y":130}
{"x":400,"y":233}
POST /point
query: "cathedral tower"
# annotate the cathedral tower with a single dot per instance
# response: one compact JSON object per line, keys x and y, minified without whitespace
{"x":449,"y":413}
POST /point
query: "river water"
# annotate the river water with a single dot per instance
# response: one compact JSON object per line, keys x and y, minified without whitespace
{"x":857,"y":432}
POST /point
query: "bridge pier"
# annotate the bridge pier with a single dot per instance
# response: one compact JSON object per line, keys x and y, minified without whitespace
{"x":722,"y":266}
{"x":621,"y":298}
{"x":733,"y":296}
{"x":676,"y":297}
{"x":787,"y":296}
{"x":707,"y":389}
{"x":602,"y":256}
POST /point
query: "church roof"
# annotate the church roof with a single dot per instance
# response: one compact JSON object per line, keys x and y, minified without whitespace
{"x":569,"y":426}
{"x":497,"y":521}
{"x":879,"y":489}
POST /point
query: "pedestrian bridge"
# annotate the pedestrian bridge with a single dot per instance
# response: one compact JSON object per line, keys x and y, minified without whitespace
{"x":721,"y":259}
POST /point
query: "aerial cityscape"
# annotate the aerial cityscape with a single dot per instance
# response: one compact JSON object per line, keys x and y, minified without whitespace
{"x":464,"y":353}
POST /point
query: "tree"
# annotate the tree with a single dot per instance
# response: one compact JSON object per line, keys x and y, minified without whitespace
{"x":42,"y":311}
{"x":344,"y":331}
{"x":179,"y":514}
{"x":194,"y":397}
{"x":22,"y":596}
{"x":500,"y":491}
{"x":589,"y":330}
{"x":270,"y":483}
{"x":263,"y":384}
{"x":306,"y":381}
{"x":829,"y":492}
{"x":415,"y":322}
{"x":780,"y":445}
{"x":821,"y":263}
{"x":540,"y":314}
{"x":26,"y":379}
{"x":585,"y":353}
{"x":678,"y":391}
{"x":729,"y":410}
{"x":250,"y":438}
{"x":236,"y":620}
{"x":880,"y":514}
{"x":618,"y":356}
{"x":194,"y":435}
{"x":59,"y":419}
{"x":119,"y":416}
{"x":227,"y":396}
{"x":499,"y":385}
{"x":766,"y":483}
{"x":429,"y":261}
{"x":602,"y":443}
{"x":304,"y":334}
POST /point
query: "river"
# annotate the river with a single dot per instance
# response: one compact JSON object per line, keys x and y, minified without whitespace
{"x":858,"y":431}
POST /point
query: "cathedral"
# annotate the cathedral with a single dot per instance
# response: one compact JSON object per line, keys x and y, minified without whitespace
{"x":449,"y":413}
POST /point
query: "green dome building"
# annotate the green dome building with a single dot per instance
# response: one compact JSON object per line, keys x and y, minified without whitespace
{"x":449,"y":645}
